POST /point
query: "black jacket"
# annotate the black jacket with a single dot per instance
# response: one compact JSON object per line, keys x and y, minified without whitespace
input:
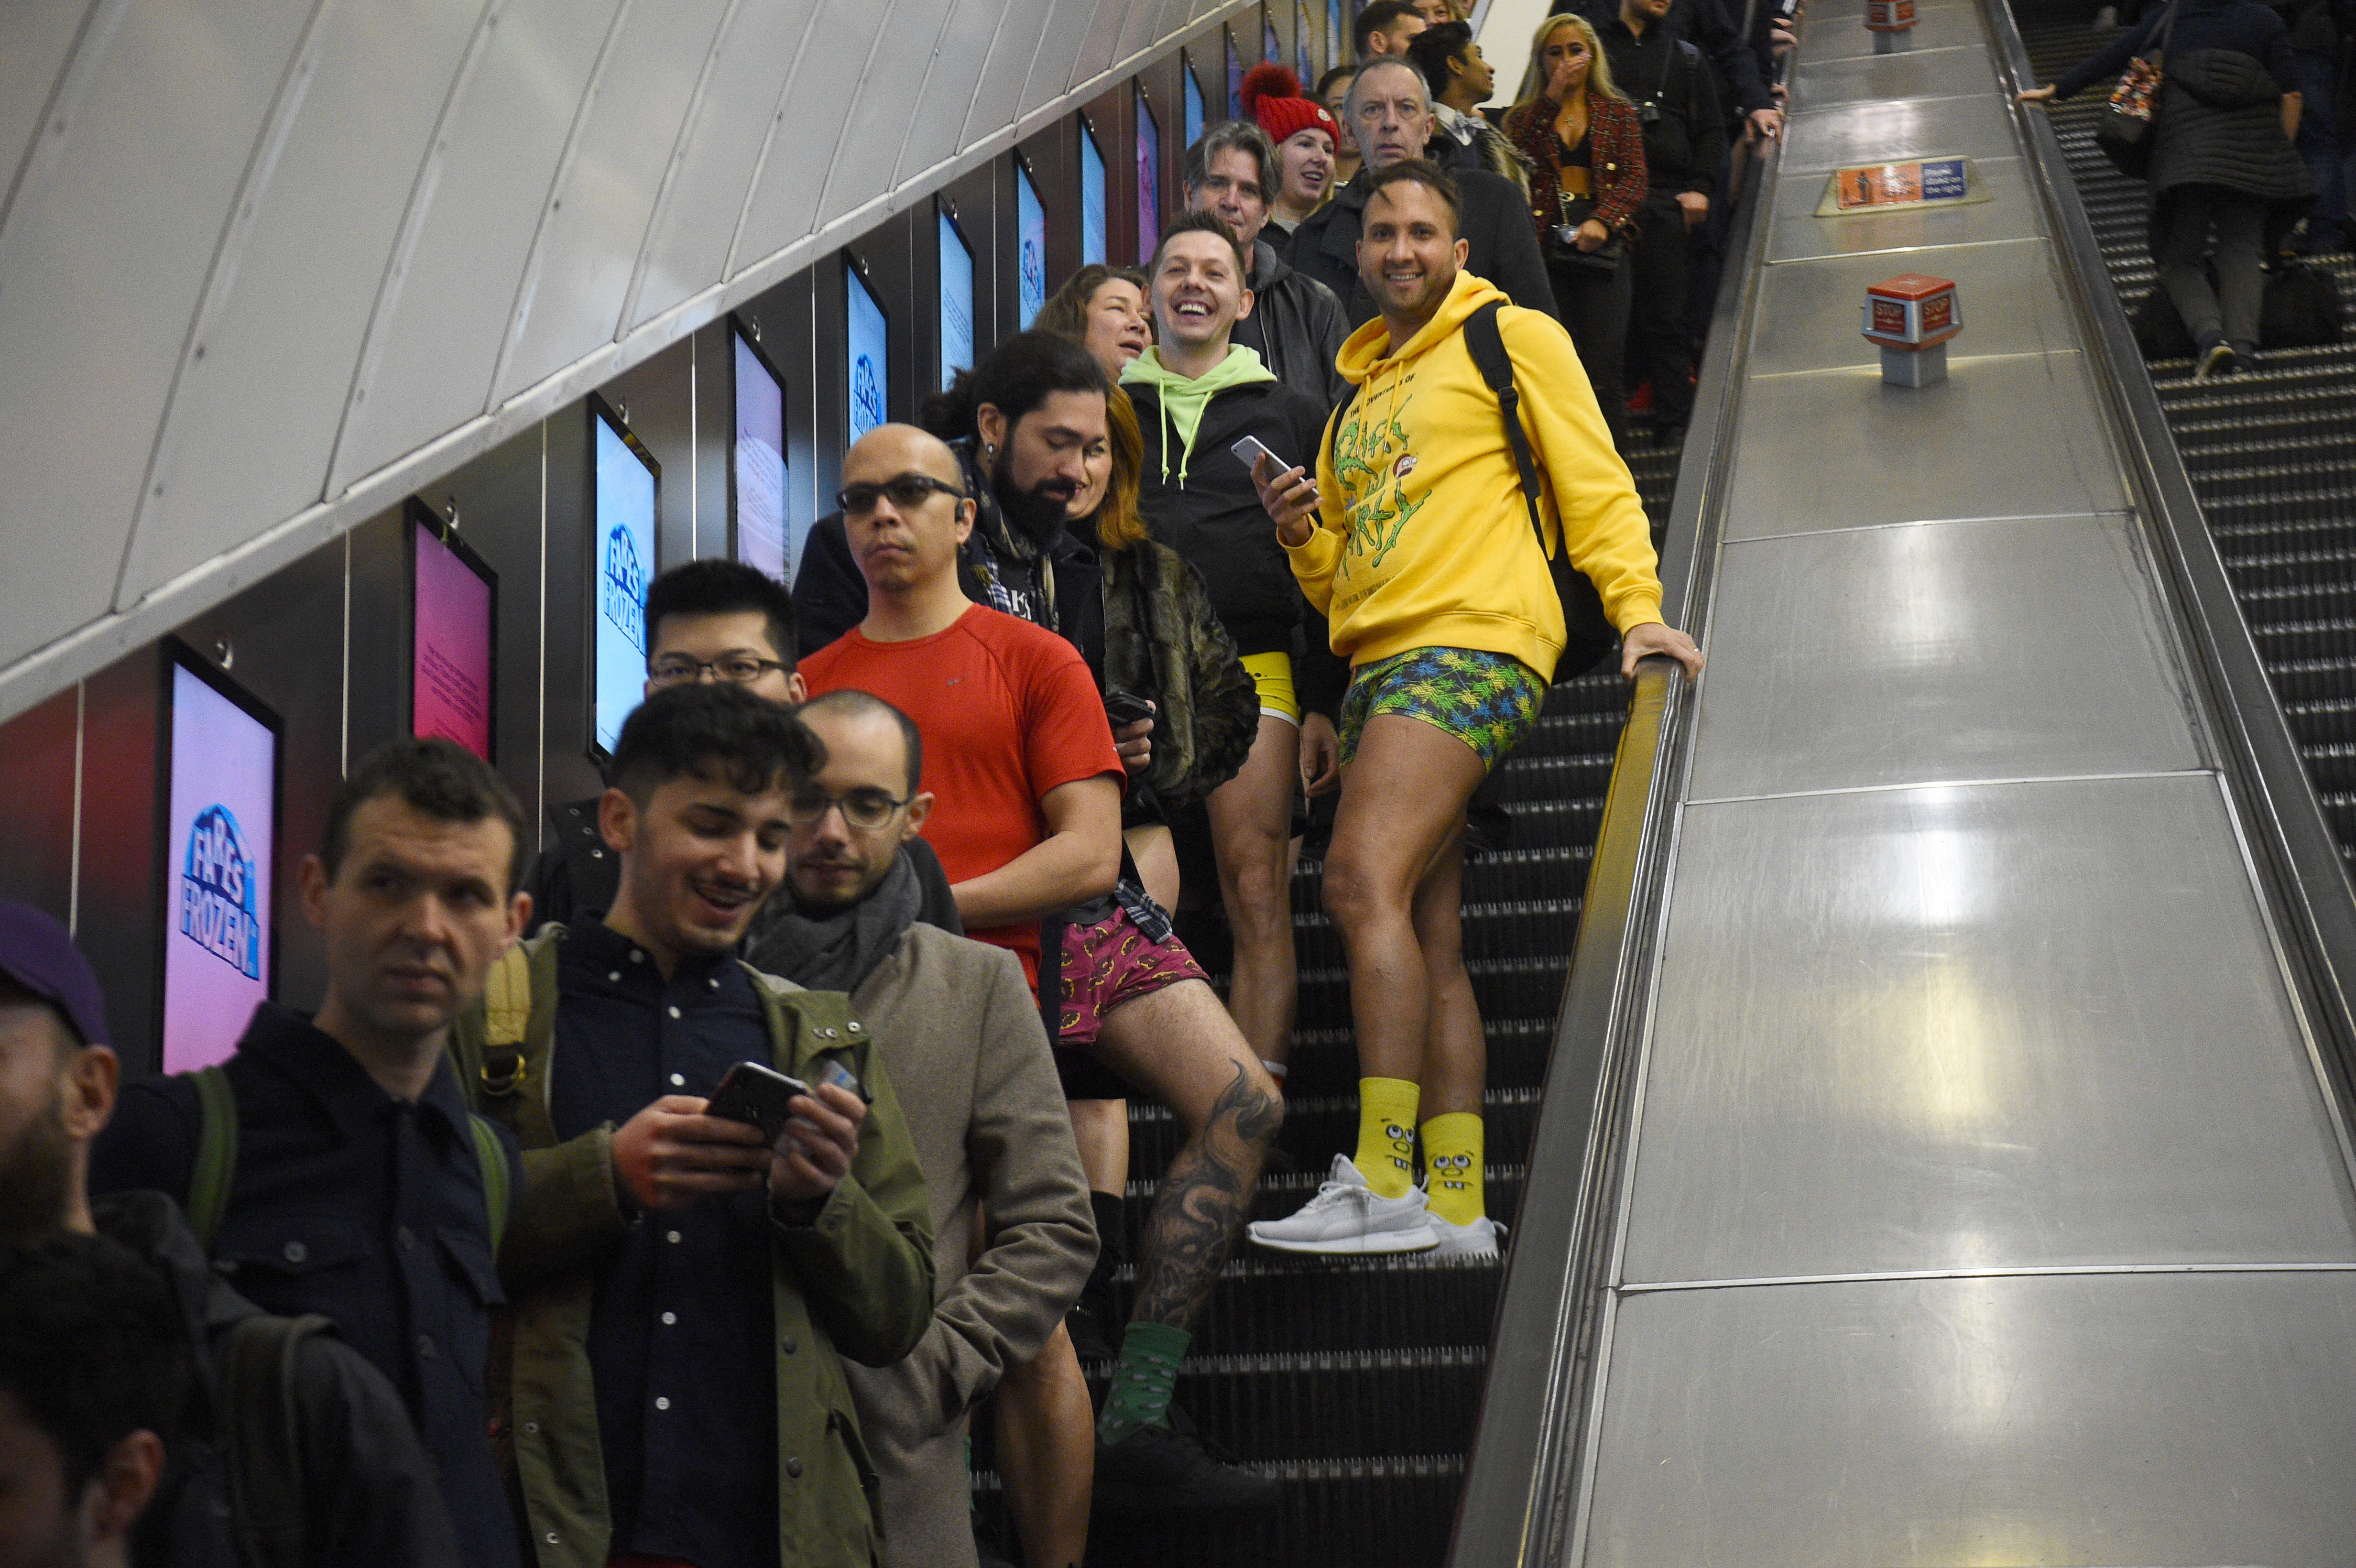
{"x":1497,"y":222}
{"x":575,"y":877}
{"x":1685,"y":143}
{"x":1706,"y":24}
{"x":1213,"y":516}
{"x":1295,"y":327}
{"x":368,"y":1487}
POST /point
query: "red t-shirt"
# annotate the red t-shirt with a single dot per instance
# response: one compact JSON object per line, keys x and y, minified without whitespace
{"x":1008,"y":711}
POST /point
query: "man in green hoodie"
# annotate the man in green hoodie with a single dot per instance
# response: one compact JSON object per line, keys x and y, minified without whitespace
{"x":1197,"y":393}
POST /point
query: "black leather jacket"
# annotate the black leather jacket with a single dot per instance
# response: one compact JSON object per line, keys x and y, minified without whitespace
{"x":1296,"y":327}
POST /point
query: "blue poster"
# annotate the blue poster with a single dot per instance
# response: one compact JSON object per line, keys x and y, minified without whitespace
{"x":1945,"y":180}
{"x":867,"y":348}
{"x":624,"y":506}
{"x":1335,"y":35}
{"x":1092,"y":199}
{"x":1235,"y":76}
{"x":1148,"y":181}
{"x":956,"y":302}
{"x":1031,"y":257}
{"x":1193,"y":103}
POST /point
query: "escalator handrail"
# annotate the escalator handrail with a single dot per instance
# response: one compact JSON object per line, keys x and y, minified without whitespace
{"x":1519,"y":1502}
{"x":2290,"y":840}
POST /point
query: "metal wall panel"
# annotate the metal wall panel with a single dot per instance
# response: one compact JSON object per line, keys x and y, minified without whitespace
{"x":1100,"y":41}
{"x":1901,"y":128}
{"x":937,"y":115}
{"x":998,"y":91}
{"x":428,"y":366}
{"x":36,"y":803}
{"x":36,"y":37}
{"x":569,"y":305}
{"x":103,"y":255}
{"x":876,"y":129}
{"x":249,"y":426}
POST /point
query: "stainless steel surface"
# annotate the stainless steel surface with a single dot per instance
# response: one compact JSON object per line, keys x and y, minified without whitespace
{"x":1885,"y":131}
{"x":1989,"y":1026}
{"x":1799,"y":233}
{"x":1920,"y":73}
{"x":2187,"y":1419}
{"x":1809,"y":312}
{"x":1936,"y":27}
{"x":2000,"y":437}
{"x":1929,"y":652}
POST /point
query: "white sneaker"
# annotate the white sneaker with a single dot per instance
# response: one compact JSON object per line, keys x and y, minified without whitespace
{"x":1346,"y":1218}
{"x":1478,"y":1240}
{"x":2106,"y":19}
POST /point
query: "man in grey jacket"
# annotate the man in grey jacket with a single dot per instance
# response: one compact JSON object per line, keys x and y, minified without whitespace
{"x":960,"y":1033}
{"x":1296,"y":326}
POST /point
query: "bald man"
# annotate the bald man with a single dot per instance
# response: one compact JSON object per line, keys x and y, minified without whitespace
{"x":1026,"y":818}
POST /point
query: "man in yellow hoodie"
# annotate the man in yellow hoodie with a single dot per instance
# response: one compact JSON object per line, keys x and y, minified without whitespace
{"x":1416,"y":542}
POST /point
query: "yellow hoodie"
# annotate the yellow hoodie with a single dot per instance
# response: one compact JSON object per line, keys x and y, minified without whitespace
{"x":1422,"y":539}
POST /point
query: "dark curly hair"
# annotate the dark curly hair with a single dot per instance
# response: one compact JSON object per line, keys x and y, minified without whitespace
{"x":92,"y":1348}
{"x":714,"y":731}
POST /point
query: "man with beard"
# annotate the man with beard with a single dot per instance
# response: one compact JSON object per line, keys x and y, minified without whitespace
{"x":1027,"y":823}
{"x":956,"y":1023}
{"x":361,"y":1189}
{"x":684,"y":1280}
{"x":366,"y":1488}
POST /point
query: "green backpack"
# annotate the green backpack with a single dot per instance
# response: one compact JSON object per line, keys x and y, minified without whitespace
{"x":216,"y":1166}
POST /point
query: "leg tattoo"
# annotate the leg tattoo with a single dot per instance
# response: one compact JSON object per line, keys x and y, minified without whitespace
{"x":1203,"y":1202}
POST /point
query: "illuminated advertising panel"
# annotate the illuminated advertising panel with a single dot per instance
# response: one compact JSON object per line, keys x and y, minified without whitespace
{"x":1092,"y":199}
{"x":957,"y":301}
{"x":1305,"y":45}
{"x":1235,"y":76}
{"x":1149,"y":180}
{"x":1193,"y":86}
{"x":622,"y":479}
{"x":220,"y":841}
{"x":451,"y":630}
{"x":867,"y":354}
{"x":1337,"y":35}
{"x":756,"y":460}
{"x":1031,"y":254}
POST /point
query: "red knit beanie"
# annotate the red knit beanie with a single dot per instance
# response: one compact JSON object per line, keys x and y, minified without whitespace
{"x":1272,"y":97}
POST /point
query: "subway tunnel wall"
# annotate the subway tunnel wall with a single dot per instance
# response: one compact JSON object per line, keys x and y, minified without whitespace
{"x":323,"y":639}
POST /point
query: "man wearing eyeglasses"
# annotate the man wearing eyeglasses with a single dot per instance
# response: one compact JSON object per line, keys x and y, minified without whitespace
{"x":956,"y":1029}
{"x":710,"y":619}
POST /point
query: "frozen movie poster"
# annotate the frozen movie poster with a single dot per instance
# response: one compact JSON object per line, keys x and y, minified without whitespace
{"x":223,"y":831}
{"x":625,"y":560}
{"x":450,"y":687}
{"x":759,"y":455}
{"x":1194,"y":110}
{"x":868,"y":338}
{"x":1031,"y":258}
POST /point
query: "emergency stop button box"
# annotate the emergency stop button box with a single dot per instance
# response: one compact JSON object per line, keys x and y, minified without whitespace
{"x":1911,"y":316}
{"x":1888,"y":15}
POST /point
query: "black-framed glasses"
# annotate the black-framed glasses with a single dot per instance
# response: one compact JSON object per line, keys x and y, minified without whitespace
{"x":903,"y":490}
{"x":862,"y":808}
{"x":678,"y":669}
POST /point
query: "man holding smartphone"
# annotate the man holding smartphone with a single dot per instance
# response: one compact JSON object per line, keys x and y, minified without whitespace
{"x":681,"y":1286}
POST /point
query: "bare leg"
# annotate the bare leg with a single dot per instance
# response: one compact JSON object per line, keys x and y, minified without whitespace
{"x":1149,"y":845}
{"x":1403,"y":803}
{"x":1101,"y":1128}
{"x":1047,"y":1453}
{"x":1455,"y":1052}
{"x":1179,"y":1046}
{"x":1251,"y":820}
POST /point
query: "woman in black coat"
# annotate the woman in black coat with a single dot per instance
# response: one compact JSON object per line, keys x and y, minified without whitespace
{"x":2223,"y":163}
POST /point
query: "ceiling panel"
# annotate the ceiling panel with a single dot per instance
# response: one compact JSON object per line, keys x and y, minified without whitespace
{"x":867,"y":157}
{"x":960,"y":60}
{"x":570,"y":302}
{"x":818,"y":98}
{"x":998,"y":93}
{"x":1064,"y":32}
{"x":250,"y":427}
{"x":35,"y":36}
{"x":104,"y":253}
{"x":428,"y":366}
{"x":1097,"y":44}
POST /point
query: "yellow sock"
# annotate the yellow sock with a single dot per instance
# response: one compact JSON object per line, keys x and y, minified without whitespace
{"x":1386,"y":1134}
{"x":1451,"y":1158}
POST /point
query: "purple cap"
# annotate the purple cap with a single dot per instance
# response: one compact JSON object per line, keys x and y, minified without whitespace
{"x":37,"y":953}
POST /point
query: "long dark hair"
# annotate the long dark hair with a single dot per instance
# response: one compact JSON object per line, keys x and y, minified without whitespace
{"x":1014,"y":377}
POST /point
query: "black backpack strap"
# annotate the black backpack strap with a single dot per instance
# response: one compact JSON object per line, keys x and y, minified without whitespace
{"x":1487,"y":345}
{"x":263,"y":1428}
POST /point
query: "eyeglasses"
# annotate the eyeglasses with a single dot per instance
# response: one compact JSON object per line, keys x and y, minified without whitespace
{"x":904,"y":491}
{"x":862,"y":808}
{"x":678,"y":669}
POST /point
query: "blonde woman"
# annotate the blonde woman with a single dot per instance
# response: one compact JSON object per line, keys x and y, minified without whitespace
{"x":1586,"y":150}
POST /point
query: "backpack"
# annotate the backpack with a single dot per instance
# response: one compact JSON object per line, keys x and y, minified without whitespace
{"x":1588,"y":633}
{"x":263,"y":1439}
{"x":216,"y":1165}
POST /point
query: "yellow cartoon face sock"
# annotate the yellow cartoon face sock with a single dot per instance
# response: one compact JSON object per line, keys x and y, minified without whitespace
{"x":1452,"y":1165}
{"x":1386,"y":1135}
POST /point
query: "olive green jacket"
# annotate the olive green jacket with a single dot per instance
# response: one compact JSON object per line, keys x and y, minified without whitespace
{"x":855,"y":1279}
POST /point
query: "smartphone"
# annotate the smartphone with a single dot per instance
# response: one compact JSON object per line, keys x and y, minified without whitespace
{"x":1126,"y":707}
{"x":758,"y":1096}
{"x":1251,"y":449}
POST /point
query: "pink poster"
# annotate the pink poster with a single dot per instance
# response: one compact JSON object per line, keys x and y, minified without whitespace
{"x":219,"y":839}
{"x":451,"y":695}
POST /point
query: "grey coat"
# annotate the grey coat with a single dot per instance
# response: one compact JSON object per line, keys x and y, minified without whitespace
{"x":956,"y":1025}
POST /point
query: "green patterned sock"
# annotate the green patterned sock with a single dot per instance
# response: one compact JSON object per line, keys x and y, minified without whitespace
{"x":1143,"y":1379}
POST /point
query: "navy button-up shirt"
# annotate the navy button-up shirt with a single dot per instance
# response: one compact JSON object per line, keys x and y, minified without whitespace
{"x":360,"y":1207}
{"x":679,"y":1334}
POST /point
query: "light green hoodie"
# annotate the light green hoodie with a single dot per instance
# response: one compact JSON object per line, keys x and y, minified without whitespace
{"x":1185,"y":400}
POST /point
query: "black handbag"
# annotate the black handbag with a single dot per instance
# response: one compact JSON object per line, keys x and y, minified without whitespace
{"x":2124,"y":127}
{"x":1562,"y":239}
